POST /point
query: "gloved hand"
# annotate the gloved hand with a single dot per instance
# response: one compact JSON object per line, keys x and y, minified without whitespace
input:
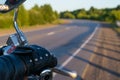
{"x":1,"y":52}
{"x":36,"y":58}
{"x":31,"y":60}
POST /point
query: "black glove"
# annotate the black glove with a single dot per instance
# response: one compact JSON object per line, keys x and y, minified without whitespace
{"x":36,"y":58}
{"x":1,"y":51}
{"x":30,"y":60}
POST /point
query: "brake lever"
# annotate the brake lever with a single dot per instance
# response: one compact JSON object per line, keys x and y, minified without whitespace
{"x":67,"y":73}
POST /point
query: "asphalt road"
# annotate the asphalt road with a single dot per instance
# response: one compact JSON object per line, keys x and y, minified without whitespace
{"x":64,"y":41}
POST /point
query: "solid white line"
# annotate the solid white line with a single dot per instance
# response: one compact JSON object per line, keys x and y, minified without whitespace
{"x":79,"y":49}
{"x":50,"y":33}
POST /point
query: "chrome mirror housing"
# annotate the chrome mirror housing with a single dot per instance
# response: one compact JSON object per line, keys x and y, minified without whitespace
{"x":8,"y":5}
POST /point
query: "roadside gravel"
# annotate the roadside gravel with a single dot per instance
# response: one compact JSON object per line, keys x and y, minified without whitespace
{"x":105,"y":62}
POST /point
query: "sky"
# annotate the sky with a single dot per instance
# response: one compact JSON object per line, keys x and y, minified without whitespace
{"x":70,"y":5}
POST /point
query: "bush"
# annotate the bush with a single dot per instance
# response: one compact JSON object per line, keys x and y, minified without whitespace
{"x":5,"y":21}
{"x":35,"y":16}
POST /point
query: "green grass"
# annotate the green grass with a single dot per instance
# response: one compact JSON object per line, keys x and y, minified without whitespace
{"x":116,"y":28}
{"x":10,"y":29}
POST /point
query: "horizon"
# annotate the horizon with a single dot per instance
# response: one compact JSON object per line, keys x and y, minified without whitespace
{"x":79,"y":9}
{"x":61,"y":6}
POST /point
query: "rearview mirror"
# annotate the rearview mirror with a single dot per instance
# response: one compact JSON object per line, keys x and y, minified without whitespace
{"x":8,"y":5}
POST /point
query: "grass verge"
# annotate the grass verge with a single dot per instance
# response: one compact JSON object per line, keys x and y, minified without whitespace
{"x":116,"y":28}
{"x":7,"y":31}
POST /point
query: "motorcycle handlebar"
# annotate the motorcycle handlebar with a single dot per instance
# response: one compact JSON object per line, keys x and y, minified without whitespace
{"x":48,"y":74}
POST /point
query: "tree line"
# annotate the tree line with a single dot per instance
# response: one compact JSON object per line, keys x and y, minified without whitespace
{"x":107,"y":14}
{"x":35,"y":16}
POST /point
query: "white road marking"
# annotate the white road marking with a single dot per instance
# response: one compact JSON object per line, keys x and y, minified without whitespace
{"x":79,"y":49}
{"x":50,"y":33}
{"x":67,"y":28}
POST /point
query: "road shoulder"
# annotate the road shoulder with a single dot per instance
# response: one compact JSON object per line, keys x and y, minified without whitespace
{"x":105,"y":61}
{"x":4,"y":32}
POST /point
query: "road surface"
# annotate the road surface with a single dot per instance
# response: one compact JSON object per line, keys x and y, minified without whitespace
{"x":69,"y":42}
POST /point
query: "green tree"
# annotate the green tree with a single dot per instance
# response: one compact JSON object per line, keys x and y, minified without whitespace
{"x":94,"y":13}
{"x":5,"y":21}
{"x":36,"y":7}
{"x":55,"y":15}
{"x":23,"y":17}
{"x":82,"y":14}
{"x":116,"y":14}
{"x":68,"y":15}
{"x":47,"y":13}
{"x":118,"y":7}
{"x":42,"y":15}
{"x":35,"y":16}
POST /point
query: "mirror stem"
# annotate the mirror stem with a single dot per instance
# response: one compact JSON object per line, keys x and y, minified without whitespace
{"x":15,"y":20}
{"x":21,"y":36}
